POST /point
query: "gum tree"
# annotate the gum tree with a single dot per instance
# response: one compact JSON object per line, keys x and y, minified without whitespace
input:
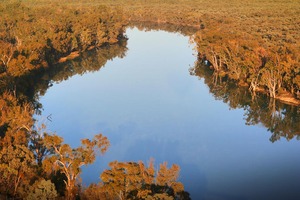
{"x":70,"y":160}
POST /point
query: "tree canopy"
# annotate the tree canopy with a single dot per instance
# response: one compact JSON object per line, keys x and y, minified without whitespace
{"x":254,"y":44}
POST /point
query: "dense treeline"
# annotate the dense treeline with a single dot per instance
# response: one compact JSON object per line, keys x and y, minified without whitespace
{"x":256,"y":43}
{"x":250,"y":43}
{"x":171,"y":28}
{"x":247,"y":60}
{"x":31,"y":38}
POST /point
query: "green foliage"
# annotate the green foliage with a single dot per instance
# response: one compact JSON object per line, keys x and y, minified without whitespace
{"x":42,"y":190}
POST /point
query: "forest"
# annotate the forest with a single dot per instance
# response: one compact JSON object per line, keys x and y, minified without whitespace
{"x":241,"y":45}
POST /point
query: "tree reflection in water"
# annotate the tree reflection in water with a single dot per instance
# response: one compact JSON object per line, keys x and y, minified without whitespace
{"x":280,"y":119}
{"x":36,"y":84}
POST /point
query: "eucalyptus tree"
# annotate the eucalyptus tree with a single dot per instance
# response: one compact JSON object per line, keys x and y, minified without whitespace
{"x":134,"y":180}
{"x":69,"y":160}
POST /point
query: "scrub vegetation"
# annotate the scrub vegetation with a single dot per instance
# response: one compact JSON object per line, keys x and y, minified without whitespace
{"x":250,"y":44}
{"x":255,"y":43}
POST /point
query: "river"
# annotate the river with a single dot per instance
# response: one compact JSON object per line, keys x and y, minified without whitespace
{"x":150,"y":106}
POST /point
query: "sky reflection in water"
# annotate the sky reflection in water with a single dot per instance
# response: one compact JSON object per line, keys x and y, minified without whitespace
{"x":149,"y":106}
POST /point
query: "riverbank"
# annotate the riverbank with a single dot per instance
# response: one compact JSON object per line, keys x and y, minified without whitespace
{"x":288,"y":98}
{"x":240,"y":48}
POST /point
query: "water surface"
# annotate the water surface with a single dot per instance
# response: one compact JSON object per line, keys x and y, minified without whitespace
{"x":149,"y":106}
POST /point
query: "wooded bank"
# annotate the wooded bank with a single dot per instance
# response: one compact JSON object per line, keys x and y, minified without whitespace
{"x":253,"y":43}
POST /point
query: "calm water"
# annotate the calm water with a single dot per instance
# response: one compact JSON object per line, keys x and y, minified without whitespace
{"x":149,"y":106}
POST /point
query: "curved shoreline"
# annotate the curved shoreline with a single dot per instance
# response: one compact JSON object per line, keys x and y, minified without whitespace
{"x":285,"y":98}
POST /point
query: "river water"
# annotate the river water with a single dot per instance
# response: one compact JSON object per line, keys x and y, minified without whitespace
{"x":149,"y":106}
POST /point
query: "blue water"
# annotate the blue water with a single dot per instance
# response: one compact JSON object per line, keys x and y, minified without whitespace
{"x":149,"y":106}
